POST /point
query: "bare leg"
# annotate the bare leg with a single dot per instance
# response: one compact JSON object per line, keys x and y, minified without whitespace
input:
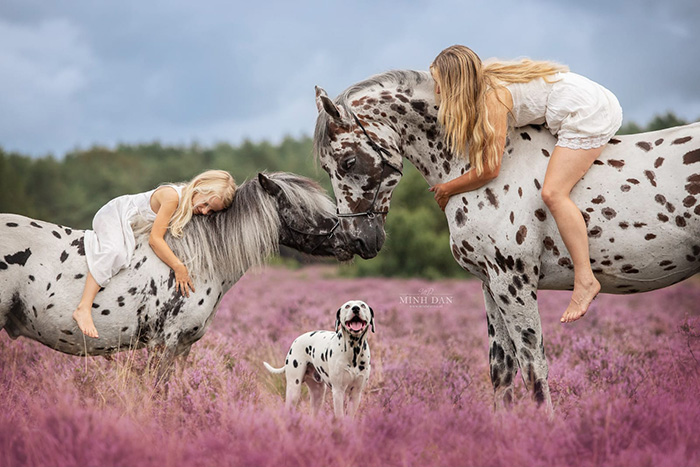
{"x":565,"y":169}
{"x":83,"y":314}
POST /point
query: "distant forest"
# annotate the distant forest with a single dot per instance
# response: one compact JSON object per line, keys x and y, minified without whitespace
{"x":70,"y":190}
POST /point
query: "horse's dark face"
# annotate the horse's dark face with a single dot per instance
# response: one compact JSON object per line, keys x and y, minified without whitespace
{"x":362,"y":175}
{"x":310,"y":228}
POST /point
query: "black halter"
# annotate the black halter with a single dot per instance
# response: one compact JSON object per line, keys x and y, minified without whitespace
{"x":384,"y":154}
{"x":326,"y":235}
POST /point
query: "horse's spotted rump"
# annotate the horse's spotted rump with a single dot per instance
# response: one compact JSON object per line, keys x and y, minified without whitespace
{"x":651,"y":176}
{"x":691,"y":157}
{"x":682,"y":140}
{"x":608,"y":213}
{"x":693,"y":186}
{"x":618,"y":164}
{"x":644,"y":146}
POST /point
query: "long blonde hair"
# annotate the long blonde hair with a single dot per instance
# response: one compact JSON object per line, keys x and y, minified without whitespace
{"x":464,"y":82}
{"x":210,"y":183}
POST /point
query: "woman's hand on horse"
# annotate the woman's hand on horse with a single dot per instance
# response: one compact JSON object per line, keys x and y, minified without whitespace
{"x":183,"y":281}
{"x":442,"y":196}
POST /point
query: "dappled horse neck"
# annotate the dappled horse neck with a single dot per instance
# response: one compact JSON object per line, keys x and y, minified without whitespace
{"x":393,"y":88}
{"x":403,"y":103}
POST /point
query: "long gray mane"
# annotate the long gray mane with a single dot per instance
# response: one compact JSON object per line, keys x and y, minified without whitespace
{"x":228,"y":243}
{"x":409,"y":78}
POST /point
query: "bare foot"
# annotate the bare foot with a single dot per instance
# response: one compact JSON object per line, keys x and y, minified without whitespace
{"x":83,"y":316}
{"x":581,"y":299}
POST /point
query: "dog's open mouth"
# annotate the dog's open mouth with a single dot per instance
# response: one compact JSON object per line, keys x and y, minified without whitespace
{"x":356,"y":324}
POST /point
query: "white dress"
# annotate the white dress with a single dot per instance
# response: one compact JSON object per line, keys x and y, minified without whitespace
{"x":110,"y":245}
{"x":581,"y":113}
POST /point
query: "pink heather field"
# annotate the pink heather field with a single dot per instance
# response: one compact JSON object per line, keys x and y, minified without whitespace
{"x":624,"y":382}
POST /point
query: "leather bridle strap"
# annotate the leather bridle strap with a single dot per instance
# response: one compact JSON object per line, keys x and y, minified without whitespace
{"x":384,"y":154}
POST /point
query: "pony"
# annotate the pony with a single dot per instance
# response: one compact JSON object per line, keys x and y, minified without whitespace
{"x":639,"y":201}
{"x":43,"y":267}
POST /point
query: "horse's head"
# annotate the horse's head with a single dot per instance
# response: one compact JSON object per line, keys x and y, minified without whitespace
{"x":308,"y":222}
{"x":362,"y":157}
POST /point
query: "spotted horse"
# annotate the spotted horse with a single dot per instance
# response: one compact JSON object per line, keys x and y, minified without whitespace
{"x":639,"y":201}
{"x":43,"y":267}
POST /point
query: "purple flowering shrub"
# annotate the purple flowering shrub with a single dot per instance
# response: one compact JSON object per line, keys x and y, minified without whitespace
{"x":624,"y":382}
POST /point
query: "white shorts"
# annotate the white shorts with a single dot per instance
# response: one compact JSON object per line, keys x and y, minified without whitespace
{"x":582,"y":113}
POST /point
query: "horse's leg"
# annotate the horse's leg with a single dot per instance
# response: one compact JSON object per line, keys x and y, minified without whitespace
{"x":185,"y":353}
{"x":181,"y":361}
{"x":161,"y":357}
{"x":165,"y":365}
{"x":502,"y":358}
{"x":515,"y":295}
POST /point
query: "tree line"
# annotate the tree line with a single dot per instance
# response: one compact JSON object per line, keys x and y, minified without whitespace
{"x":70,"y":190}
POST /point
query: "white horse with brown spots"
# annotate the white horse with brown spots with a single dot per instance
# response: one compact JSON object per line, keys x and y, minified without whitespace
{"x":639,"y":201}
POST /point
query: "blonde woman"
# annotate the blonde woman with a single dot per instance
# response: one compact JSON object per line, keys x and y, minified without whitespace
{"x":110,"y":246}
{"x":476,"y":101}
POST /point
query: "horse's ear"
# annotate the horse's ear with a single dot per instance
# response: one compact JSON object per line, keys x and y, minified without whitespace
{"x":324,"y":103}
{"x":272,"y":188}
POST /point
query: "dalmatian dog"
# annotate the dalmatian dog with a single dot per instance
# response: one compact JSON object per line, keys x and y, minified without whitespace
{"x":339,"y":359}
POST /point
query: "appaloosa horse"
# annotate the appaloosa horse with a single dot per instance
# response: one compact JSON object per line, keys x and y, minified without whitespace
{"x":43,"y":267}
{"x":639,"y":201}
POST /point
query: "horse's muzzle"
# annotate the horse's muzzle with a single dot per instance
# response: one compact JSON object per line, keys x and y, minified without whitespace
{"x":365,"y":237}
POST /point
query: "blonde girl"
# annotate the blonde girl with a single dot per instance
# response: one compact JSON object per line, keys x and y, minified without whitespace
{"x":477,"y":104}
{"x":110,"y":246}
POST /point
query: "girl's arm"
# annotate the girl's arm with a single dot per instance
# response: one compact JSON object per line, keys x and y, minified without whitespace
{"x":498,"y":106}
{"x":168,"y":200}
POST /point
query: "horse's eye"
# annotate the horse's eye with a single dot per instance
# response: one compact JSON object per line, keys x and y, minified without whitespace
{"x":348,"y":163}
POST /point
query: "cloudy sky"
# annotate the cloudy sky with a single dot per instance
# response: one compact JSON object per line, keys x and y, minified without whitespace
{"x":75,"y":73}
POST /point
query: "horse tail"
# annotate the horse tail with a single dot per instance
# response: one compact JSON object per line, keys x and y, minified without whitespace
{"x":273,"y":370}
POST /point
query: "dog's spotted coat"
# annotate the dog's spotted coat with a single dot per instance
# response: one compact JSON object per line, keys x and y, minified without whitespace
{"x":337,"y":359}
{"x":640,"y":201}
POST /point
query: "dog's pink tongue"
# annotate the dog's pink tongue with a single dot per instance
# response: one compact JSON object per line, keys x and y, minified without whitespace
{"x":356,"y":325}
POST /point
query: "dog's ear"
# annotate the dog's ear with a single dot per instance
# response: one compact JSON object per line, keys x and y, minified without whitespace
{"x":337,"y":320}
{"x":371,"y":322}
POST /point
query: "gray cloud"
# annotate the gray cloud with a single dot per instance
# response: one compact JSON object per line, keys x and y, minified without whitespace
{"x":75,"y":73}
